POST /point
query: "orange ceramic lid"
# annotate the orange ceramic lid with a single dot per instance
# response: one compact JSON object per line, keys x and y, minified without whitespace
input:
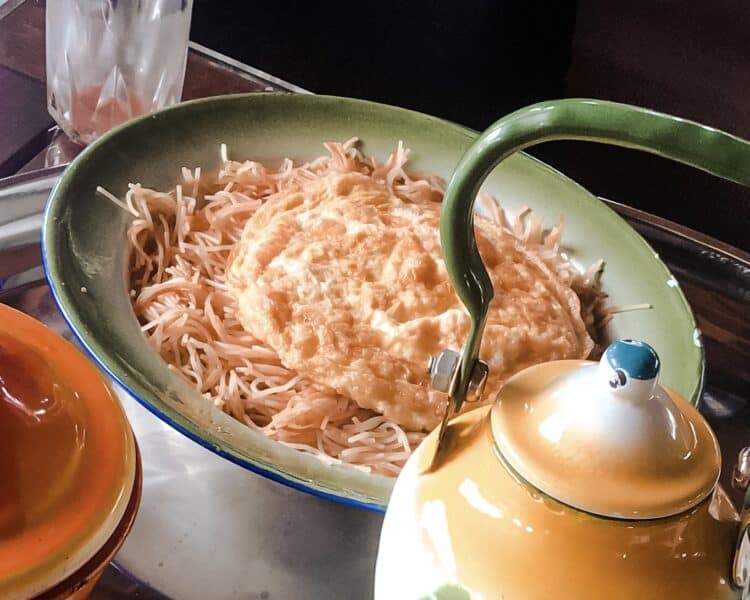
{"x":67,"y":457}
{"x":606,"y":437}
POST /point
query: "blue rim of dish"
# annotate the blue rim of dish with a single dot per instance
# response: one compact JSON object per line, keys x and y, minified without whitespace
{"x":245,"y":464}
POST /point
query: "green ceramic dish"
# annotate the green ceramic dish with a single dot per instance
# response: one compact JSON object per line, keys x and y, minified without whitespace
{"x":84,"y":247}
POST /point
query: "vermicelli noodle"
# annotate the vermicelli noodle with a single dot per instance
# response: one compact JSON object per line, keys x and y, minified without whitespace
{"x":180,"y":242}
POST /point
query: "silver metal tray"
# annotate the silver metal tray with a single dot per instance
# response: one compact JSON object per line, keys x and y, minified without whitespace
{"x":297,"y":546}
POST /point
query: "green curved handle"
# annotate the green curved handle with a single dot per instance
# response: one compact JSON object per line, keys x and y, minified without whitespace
{"x":703,"y":147}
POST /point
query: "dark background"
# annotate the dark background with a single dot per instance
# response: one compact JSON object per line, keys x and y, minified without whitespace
{"x":467,"y":61}
{"x":472,"y":61}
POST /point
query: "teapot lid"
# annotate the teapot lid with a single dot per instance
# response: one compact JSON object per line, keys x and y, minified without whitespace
{"x":605,"y":437}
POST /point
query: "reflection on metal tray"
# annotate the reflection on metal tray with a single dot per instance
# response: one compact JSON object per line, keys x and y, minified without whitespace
{"x":22,"y":200}
{"x":714,"y":276}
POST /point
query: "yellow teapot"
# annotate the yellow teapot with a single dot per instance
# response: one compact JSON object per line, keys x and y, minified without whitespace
{"x":583,"y":480}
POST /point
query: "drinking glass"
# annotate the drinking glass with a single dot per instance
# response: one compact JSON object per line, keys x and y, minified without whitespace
{"x":111,"y":60}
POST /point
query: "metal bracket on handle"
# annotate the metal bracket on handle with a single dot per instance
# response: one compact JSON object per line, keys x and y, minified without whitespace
{"x":444,"y":372}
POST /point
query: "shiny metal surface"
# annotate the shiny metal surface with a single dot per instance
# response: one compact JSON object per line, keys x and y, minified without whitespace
{"x":443,"y":369}
{"x":478,"y":381}
{"x":716,"y":279}
{"x":22,"y":198}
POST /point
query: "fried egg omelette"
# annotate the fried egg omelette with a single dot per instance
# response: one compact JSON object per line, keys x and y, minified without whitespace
{"x":345,"y":281}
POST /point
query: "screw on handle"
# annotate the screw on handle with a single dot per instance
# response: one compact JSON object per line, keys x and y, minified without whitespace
{"x":703,"y":147}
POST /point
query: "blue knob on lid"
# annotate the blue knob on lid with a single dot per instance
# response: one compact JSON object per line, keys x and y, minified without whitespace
{"x":631,"y":369}
{"x":637,"y":359}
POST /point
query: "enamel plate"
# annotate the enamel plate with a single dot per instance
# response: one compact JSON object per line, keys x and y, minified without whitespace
{"x":84,"y":249}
